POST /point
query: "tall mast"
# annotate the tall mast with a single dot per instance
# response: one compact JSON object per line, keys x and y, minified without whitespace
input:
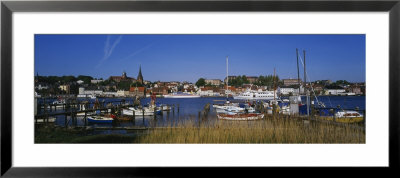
{"x":305,"y":79}
{"x":298,"y":71}
{"x":305,"y":83}
{"x":274,"y":84}
{"x":227,"y":77}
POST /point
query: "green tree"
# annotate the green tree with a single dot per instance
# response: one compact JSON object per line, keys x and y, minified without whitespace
{"x":68,"y":79}
{"x":201,"y":82}
{"x":124,"y":85}
{"x":244,"y":80}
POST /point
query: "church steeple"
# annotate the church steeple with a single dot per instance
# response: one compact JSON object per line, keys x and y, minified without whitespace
{"x":124,"y":75}
{"x":140,"y":76}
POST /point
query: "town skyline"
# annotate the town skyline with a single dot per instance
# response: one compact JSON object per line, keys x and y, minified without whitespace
{"x":164,"y":58}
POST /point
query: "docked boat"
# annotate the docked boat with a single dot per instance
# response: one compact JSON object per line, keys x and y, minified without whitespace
{"x":230,"y":109}
{"x":342,"y":116}
{"x":240,"y":116}
{"x":48,"y":120}
{"x":181,"y":95}
{"x":224,"y":105}
{"x":163,"y":107}
{"x":146,"y":111}
{"x":87,"y":113}
{"x":348,"y":116}
{"x":100,"y":119}
{"x":253,"y":95}
{"x":59,"y":103}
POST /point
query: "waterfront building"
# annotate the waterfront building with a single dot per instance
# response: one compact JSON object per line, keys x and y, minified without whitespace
{"x":137,"y":91}
{"x":286,"y":91}
{"x":252,"y":79}
{"x":95,"y":81}
{"x":190,"y":90}
{"x":159,"y":90}
{"x":335,"y":91}
{"x":215,"y":82}
{"x":247,"y":86}
{"x":81,"y":91}
{"x":122,"y":93}
{"x":110,"y":94}
{"x":122,"y":78}
{"x":65,"y":88}
{"x":93,"y":90}
{"x":290,"y":82}
{"x":230,"y":78}
{"x":356,"y":90}
{"x":318,"y":89}
{"x":209,"y":91}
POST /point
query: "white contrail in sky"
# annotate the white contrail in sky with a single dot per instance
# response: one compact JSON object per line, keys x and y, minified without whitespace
{"x":144,"y":48}
{"x":108,"y":50}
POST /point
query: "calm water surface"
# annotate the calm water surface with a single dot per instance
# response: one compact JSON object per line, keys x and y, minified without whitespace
{"x":189,"y":108}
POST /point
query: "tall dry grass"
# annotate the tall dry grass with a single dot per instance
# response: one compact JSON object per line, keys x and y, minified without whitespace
{"x":284,"y":129}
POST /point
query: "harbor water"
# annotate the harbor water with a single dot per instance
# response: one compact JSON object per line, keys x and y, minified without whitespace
{"x":189,"y":108}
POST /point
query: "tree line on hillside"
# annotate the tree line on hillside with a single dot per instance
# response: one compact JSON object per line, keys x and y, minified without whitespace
{"x":63,"y":79}
{"x":238,"y":81}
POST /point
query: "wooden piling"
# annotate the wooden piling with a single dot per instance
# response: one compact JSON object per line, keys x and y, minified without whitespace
{"x":199,"y":115}
{"x":85,"y":118}
{"x":65,"y":120}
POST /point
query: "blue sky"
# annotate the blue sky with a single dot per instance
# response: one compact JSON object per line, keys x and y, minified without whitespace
{"x":189,"y":57}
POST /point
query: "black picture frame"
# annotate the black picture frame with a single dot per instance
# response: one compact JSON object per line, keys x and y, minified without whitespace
{"x":8,"y":7}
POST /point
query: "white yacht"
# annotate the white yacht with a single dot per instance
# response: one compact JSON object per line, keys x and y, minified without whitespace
{"x":255,"y":95}
{"x":181,"y":95}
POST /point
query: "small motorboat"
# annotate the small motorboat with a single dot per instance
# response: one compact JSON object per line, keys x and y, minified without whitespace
{"x":100,"y":119}
{"x":140,"y":112}
{"x":347,"y":116}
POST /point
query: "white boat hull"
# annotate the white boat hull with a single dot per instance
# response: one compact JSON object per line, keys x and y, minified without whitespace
{"x":181,"y":96}
{"x":240,"y":117}
{"x":252,"y":98}
{"x":129,"y":112}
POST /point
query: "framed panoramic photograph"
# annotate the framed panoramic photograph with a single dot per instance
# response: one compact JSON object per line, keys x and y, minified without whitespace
{"x":103,"y":88}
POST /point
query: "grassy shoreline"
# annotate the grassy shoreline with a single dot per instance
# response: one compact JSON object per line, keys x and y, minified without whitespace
{"x":286,"y":129}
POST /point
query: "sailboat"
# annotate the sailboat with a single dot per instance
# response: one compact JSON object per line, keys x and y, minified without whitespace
{"x":232,"y":111}
{"x":338,"y":115}
{"x":220,"y":108}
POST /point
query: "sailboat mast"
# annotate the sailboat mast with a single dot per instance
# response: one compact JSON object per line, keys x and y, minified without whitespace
{"x":305,"y":84}
{"x":274,"y":84}
{"x":298,"y":71}
{"x":305,"y":79}
{"x":227,"y":78}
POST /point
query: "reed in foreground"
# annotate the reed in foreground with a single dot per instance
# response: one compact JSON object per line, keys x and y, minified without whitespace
{"x":282,"y":130}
